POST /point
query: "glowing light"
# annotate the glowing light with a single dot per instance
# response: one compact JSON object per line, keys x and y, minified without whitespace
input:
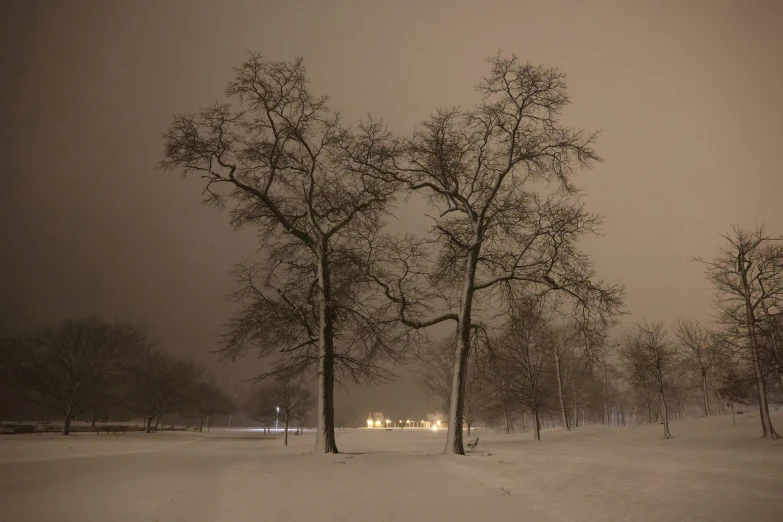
{"x":377,"y":423}
{"x":369,"y":423}
{"x":435,"y":428}
{"x":438,"y":423}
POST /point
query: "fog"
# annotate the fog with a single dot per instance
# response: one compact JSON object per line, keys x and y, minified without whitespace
{"x":687,"y":96}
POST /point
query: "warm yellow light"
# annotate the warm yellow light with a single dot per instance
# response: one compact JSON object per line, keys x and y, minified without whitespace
{"x":438,"y":423}
{"x":369,"y":423}
{"x":435,"y":428}
{"x":377,"y":423}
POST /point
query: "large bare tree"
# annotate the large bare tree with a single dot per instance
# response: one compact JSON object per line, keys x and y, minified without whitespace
{"x":746,"y":275}
{"x":507,"y":215}
{"x":277,"y":158}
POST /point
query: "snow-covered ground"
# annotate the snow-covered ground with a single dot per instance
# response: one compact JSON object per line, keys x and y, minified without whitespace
{"x":709,"y":471}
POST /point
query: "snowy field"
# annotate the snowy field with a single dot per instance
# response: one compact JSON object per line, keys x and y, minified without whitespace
{"x":709,"y":472}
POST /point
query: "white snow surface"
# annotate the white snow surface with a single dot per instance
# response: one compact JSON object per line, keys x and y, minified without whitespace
{"x":710,"y":471}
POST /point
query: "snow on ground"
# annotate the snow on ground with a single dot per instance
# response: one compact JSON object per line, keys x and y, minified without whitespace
{"x":47,"y":446}
{"x":708,"y":472}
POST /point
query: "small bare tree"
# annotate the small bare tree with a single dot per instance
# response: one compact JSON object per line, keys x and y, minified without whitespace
{"x":563,"y":340}
{"x":205,"y":399}
{"x":278,"y":157}
{"x":155,"y":384}
{"x":520,"y":357}
{"x":647,"y":348}
{"x":436,"y":378}
{"x":70,"y":366}
{"x":743,"y":274}
{"x":702,"y":352}
{"x":294,"y":401}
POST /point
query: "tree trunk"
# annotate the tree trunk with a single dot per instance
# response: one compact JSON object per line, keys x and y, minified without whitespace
{"x":461,"y":358}
{"x":285,"y":438}
{"x":576,"y":407}
{"x":733,"y":421}
{"x":67,"y":424}
{"x":524,"y":428}
{"x":768,"y":432}
{"x":157,"y":421}
{"x":508,"y":423}
{"x":679,"y":409}
{"x":606,"y":393}
{"x":325,"y":441}
{"x":704,"y":389}
{"x":201,"y":424}
{"x":666,"y":434}
{"x":563,"y":413}
{"x":230,"y":418}
{"x":92,"y":420}
{"x":19,"y":416}
{"x":468,"y":425}
{"x":647,"y":404}
{"x":536,"y":425}
{"x":148,"y":424}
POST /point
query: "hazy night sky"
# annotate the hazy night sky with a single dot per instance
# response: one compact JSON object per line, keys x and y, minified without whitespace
{"x":689,"y":96}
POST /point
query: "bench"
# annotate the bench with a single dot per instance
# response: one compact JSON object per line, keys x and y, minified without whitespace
{"x":111,"y":429}
{"x":472,"y":444}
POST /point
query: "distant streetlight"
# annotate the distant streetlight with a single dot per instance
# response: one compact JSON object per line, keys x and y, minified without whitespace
{"x":277,"y":416}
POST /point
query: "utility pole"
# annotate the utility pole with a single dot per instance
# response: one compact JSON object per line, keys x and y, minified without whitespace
{"x":277,"y":416}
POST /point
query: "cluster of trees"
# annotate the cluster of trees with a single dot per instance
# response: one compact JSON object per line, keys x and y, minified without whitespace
{"x":538,"y":363}
{"x":335,"y":293}
{"x":537,"y":367}
{"x":91,"y":366}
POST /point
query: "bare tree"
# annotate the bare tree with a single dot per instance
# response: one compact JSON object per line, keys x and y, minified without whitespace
{"x":520,"y":357}
{"x":508,"y":217}
{"x":294,"y":401}
{"x":739,"y":273}
{"x":562,"y":349}
{"x":702,"y":352}
{"x":71,"y":365}
{"x":736,"y":390}
{"x":637,"y":372}
{"x":647,"y":348}
{"x":278,"y":157}
{"x":436,"y":377}
{"x":205,"y":399}
{"x":260,"y":407}
{"x":155,"y":384}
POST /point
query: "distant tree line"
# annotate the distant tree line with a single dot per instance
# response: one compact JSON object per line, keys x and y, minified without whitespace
{"x":90,"y":368}
{"x":538,"y":364}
